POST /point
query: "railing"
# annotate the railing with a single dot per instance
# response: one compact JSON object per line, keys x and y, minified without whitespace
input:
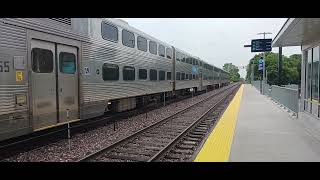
{"x":286,"y":96}
{"x":289,"y":97}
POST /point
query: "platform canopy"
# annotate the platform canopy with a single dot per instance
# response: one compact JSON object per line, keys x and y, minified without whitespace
{"x":297,"y":32}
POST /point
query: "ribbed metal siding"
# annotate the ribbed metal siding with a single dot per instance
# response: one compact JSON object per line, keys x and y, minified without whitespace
{"x":96,"y":89}
{"x":66,"y":21}
{"x":7,"y":98}
{"x":12,"y":37}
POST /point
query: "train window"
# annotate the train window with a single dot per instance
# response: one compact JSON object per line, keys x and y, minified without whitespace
{"x":183,"y":76}
{"x":142,"y":74}
{"x":169,"y":53}
{"x":153,"y":47}
{"x":168,"y":75}
{"x":128,"y":38}
{"x":110,"y":72}
{"x":162,"y":75}
{"x":128,"y":73}
{"x":178,"y":56}
{"x":178,"y":76}
{"x":109,"y":32}
{"x":161,"y":50}
{"x":183,"y":59}
{"x":42,"y":60}
{"x":142,"y":43}
{"x":190,"y":76}
{"x":153,"y":75}
{"x":67,"y":62}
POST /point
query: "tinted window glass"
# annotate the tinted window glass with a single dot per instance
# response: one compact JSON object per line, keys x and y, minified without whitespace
{"x":142,"y":43}
{"x":153,"y":75}
{"x":110,"y":72}
{"x":190,"y":76}
{"x":168,"y":75}
{"x":169,"y":53}
{"x":161,"y":50}
{"x":42,"y":60}
{"x":183,"y":59}
{"x":142,"y":74}
{"x":109,"y":32}
{"x":162,"y":75}
{"x":178,"y":56}
{"x":67,"y":63}
{"x":178,"y":76}
{"x":128,"y":73}
{"x":153,"y":47}
{"x":128,"y":38}
{"x":183,"y":75}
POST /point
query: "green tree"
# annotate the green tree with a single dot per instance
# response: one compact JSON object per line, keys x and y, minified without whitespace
{"x":233,"y":70}
{"x":291,"y":68}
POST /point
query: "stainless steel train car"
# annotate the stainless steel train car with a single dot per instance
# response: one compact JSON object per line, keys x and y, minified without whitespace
{"x":59,"y":70}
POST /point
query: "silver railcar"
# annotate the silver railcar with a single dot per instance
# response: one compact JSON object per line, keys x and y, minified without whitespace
{"x":59,"y":70}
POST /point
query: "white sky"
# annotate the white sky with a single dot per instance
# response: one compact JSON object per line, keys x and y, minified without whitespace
{"x":215,"y":40}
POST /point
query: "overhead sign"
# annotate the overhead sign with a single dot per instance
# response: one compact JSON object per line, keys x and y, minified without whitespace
{"x":261,"y":45}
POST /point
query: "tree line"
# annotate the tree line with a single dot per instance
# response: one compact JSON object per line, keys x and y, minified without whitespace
{"x":291,"y":68}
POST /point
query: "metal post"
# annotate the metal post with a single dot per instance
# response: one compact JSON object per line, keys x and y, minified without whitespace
{"x":279,"y":66}
{"x":164,"y":98}
{"x":252,"y":72}
{"x":69,"y":141}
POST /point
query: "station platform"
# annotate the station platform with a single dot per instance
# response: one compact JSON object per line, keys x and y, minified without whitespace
{"x":256,"y":129}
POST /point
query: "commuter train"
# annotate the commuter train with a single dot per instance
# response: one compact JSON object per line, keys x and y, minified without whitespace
{"x":59,"y":70}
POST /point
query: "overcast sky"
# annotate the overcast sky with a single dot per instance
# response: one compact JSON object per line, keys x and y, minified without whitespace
{"x":215,"y":40}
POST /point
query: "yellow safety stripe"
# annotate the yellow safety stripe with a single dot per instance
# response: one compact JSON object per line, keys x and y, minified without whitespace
{"x":218,"y":145}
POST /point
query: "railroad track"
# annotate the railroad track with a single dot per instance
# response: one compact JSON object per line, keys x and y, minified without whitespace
{"x":46,"y":137}
{"x":180,"y":133}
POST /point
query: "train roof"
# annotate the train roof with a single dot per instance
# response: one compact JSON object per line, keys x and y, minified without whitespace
{"x":125,"y":25}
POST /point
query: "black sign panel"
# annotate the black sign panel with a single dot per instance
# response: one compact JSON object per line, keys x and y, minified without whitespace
{"x":261,"y":45}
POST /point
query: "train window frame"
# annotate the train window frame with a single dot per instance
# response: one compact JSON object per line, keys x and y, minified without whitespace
{"x":178,"y":74}
{"x":162,"y":75}
{"x":178,"y":56}
{"x":183,"y":76}
{"x":164,"y":50}
{"x":156,"y":47}
{"x":153,"y":72}
{"x":170,"y":49}
{"x":104,"y":73}
{"x":169,"y":72}
{"x":33,"y":53}
{"x":124,"y":42}
{"x":61,"y":63}
{"x":139,"y":46}
{"x":130,"y":77}
{"x":146,"y":73}
{"x":102,"y":32}
{"x":184,"y":58}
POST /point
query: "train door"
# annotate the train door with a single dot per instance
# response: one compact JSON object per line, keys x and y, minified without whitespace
{"x":43,"y":80}
{"x":67,"y":83}
{"x":54,"y":80}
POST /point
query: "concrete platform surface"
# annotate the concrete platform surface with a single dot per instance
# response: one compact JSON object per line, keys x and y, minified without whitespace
{"x":265,"y":132}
